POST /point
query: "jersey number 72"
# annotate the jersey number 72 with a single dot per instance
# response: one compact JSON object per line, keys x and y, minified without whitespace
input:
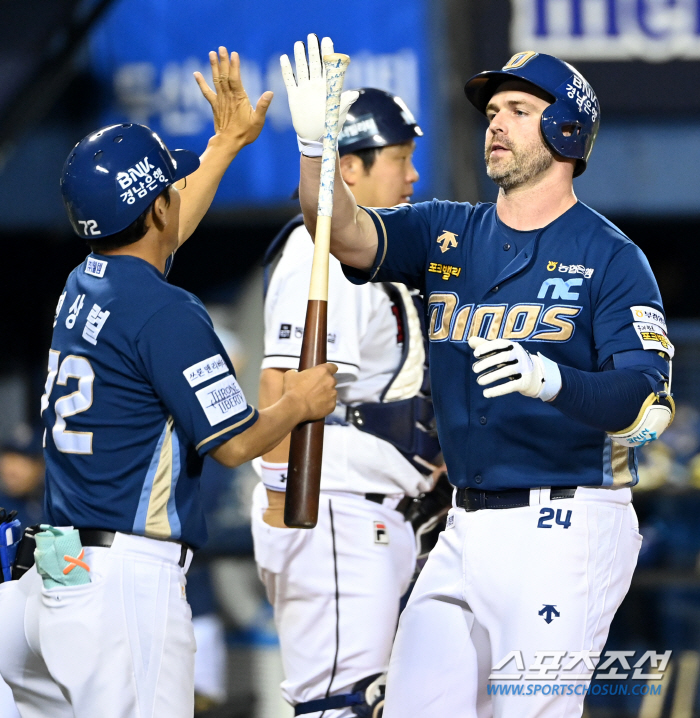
{"x":72,"y":367}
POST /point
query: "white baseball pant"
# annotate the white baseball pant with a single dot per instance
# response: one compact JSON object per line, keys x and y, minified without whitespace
{"x":118,"y":647}
{"x":335,"y":591}
{"x":481,"y":592}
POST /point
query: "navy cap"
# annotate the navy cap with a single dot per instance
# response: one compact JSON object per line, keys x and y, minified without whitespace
{"x":112,"y":175}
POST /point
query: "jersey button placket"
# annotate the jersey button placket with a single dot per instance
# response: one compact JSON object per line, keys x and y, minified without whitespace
{"x":478,"y":479}
{"x":482,"y":420}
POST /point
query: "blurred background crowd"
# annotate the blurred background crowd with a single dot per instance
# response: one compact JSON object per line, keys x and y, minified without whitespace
{"x":70,"y":66}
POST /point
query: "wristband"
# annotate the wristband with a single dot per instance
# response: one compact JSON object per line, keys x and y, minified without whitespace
{"x":274,"y":476}
{"x":310,"y":148}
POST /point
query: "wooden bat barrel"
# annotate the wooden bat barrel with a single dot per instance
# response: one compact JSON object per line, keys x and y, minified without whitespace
{"x":306,"y":449}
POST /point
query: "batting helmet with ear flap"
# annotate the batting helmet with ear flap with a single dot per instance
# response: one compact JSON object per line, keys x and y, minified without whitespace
{"x":570,"y":124}
{"x":377,"y":119}
{"x":111,"y":176}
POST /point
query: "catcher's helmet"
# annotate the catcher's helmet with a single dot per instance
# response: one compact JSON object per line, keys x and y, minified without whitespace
{"x":112,"y":175}
{"x":377,"y":119}
{"x":570,"y":124}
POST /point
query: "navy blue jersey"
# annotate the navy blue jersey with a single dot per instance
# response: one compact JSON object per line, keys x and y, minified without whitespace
{"x":139,"y":389}
{"x":578,"y":291}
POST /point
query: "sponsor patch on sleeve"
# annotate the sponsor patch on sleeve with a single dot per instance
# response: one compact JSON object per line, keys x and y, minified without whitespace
{"x":95,"y":267}
{"x":222,"y":400}
{"x":206,"y":369}
{"x":649,"y":315}
{"x":653,"y":337}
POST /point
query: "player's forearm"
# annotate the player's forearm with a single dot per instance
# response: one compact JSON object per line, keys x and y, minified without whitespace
{"x":201,"y":187}
{"x":273,"y":425}
{"x":270,"y":392}
{"x":353,"y":235}
{"x":607,"y":400}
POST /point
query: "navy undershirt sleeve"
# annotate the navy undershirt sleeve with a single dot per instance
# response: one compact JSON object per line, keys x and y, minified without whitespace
{"x":606,"y":400}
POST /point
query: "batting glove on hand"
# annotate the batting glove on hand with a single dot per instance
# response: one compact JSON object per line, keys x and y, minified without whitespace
{"x":531,"y":375}
{"x":307,"y":94}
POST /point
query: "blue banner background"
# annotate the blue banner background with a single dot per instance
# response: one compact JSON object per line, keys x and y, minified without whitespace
{"x":146,"y":50}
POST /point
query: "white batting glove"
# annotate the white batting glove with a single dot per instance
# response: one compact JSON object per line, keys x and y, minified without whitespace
{"x":531,"y":375}
{"x":307,"y":94}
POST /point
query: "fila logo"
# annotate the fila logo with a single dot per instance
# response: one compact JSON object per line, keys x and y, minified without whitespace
{"x":381,"y":535}
{"x":561,"y":288}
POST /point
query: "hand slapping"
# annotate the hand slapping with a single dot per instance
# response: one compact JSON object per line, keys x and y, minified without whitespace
{"x":235,"y":119}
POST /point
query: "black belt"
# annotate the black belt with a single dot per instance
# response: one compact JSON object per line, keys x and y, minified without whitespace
{"x":400,"y":507}
{"x":105,"y":539}
{"x":474,"y":500}
{"x":327,"y":704}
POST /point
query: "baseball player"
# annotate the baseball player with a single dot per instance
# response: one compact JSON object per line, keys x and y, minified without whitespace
{"x":336,"y":590}
{"x":139,"y":390}
{"x":549,"y":364}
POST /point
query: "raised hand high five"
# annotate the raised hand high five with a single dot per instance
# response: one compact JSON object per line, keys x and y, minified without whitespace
{"x":235,"y":119}
{"x":307,"y":93}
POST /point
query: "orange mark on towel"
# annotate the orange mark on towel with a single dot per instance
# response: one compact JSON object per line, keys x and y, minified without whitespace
{"x":75,"y":562}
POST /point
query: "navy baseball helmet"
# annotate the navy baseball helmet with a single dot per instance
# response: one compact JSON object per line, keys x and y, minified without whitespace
{"x":377,"y":119}
{"x":112,"y":175}
{"x":570,"y":124}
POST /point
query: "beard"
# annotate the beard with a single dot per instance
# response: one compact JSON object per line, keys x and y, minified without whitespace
{"x":522,"y":165}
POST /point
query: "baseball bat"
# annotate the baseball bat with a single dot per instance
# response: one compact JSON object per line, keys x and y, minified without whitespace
{"x":306,"y":449}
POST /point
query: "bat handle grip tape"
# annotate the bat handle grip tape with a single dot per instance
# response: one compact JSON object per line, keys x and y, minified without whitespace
{"x":335,"y":66}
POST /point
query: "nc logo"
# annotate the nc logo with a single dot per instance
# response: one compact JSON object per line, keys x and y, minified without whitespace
{"x":561,"y":288}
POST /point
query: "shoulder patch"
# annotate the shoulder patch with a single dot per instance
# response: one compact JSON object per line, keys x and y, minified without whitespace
{"x":650,"y":325}
{"x":285,"y":331}
{"x":206,"y":369}
{"x":654,"y":338}
{"x":95,"y":267}
{"x":648,"y":315}
{"x":222,"y":400}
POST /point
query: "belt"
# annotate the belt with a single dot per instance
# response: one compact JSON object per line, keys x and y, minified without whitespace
{"x":327,"y":704}
{"x":401,"y":507}
{"x":105,"y":539}
{"x":474,"y":500}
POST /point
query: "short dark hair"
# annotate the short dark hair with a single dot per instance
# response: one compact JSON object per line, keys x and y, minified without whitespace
{"x":135,"y":231}
{"x":368,"y":156}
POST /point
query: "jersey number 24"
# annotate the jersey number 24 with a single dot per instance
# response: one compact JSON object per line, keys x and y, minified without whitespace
{"x":72,"y":367}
